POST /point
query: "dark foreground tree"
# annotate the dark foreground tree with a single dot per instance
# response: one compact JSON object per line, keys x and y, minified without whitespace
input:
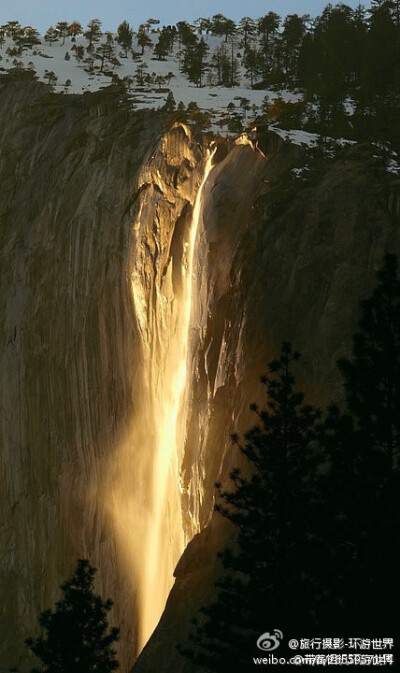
{"x":362,"y":490}
{"x":269,"y":580}
{"x":318,"y":511}
{"x":372,"y":375}
{"x":76,"y":637}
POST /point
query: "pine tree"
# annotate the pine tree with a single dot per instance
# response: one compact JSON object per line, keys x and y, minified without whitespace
{"x":51,"y":35}
{"x":106,"y":51}
{"x":382,"y":69}
{"x":186,"y":33}
{"x":125,"y":36}
{"x":362,"y":486}
{"x":170,"y":103}
{"x":268,"y":25}
{"x":193,"y":60}
{"x":79,"y":52}
{"x":62,"y":29}
{"x":251,"y":63}
{"x":143,"y":39}
{"x":221,"y":64}
{"x":163,"y":45}
{"x":51,"y":77}
{"x":248,"y":28}
{"x":372,"y":376}
{"x":203,"y":25}
{"x":74,"y":29}
{"x":13,"y":29}
{"x":292,"y":36}
{"x":76,"y":636}
{"x":170,"y":75}
{"x":221,"y":25}
{"x":140,"y":73}
{"x":200,"y":64}
{"x":93,"y":32}
{"x":269,"y":573}
{"x":30,"y":37}
{"x":234,"y":72}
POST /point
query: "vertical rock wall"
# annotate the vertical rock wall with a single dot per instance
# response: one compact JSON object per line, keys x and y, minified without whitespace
{"x":271,"y":265}
{"x":71,"y":173}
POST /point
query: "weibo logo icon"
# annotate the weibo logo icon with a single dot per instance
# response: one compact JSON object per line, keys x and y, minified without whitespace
{"x":268,"y":642}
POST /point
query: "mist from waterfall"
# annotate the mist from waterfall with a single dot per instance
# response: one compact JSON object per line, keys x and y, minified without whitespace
{"x":145,"y":493}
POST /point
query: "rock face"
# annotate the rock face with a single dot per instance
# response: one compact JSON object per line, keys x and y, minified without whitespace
{"x":93,"y":194}
{"x":71,"y":181}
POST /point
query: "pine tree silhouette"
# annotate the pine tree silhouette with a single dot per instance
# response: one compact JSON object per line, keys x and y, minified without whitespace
{"x":268,"y":574}
{"x":75,"y":636}
{"x":362,"y":485}
{"x":372,"y":376}
{"x":317,"y":512}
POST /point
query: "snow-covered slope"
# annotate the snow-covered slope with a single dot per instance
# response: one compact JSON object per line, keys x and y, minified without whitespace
{"x":80,"y":77}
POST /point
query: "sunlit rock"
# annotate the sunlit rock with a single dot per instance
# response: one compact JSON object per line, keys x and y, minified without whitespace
{"x":133,"y":343}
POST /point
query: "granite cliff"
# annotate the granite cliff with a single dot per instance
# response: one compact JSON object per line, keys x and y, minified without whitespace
{"x":96,"y":207}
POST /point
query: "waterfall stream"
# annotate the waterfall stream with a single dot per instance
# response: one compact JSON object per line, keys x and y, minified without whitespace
{"x":164,"y":540}
{"x":146,"y":501}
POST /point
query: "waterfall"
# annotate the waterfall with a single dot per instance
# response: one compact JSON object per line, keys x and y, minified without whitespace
{"x":145,"y":497}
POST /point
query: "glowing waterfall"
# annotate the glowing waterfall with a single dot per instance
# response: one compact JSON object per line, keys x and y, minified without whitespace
{"x":144,"y":497}
{"x":159,"y":561}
